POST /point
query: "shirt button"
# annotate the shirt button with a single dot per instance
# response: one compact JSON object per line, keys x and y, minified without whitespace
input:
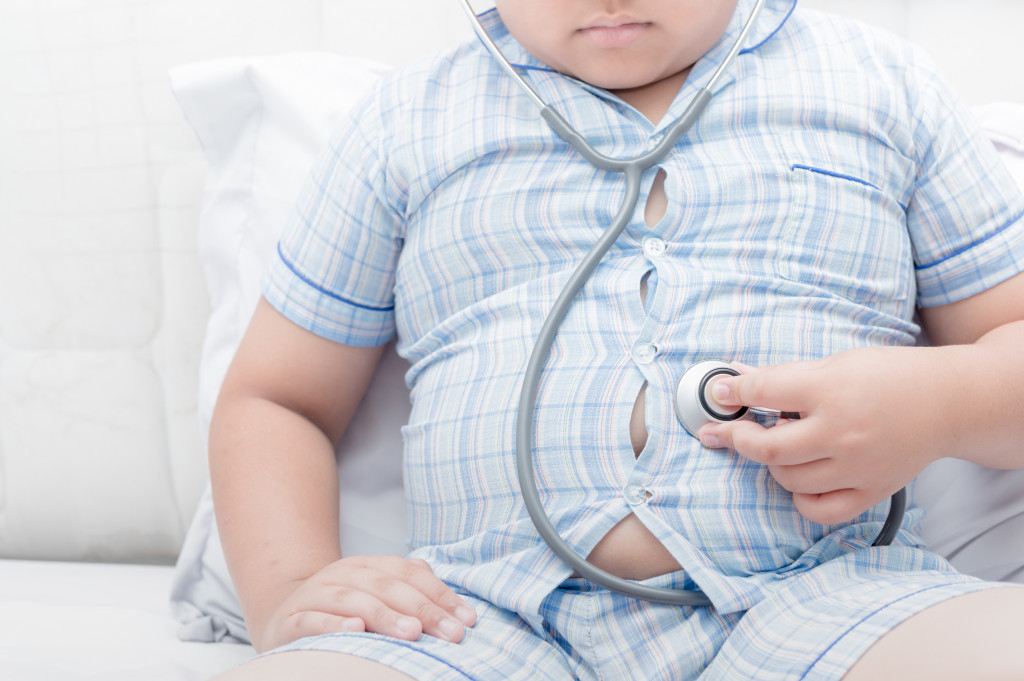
{"x":654,"y":247}
{"x":644,"y":353}
{"x":655,"y":140}
{"x":635,"y":495}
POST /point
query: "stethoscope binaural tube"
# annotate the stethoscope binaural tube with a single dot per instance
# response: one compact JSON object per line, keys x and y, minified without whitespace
{"x":632,"y":169}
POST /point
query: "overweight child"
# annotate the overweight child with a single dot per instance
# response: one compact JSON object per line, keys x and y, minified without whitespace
{"x":833,"y":200}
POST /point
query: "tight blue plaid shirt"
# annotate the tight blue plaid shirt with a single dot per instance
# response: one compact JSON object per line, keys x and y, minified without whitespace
{"x":833,"y":185}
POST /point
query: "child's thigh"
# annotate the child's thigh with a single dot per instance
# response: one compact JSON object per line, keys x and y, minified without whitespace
{"x":817,"y":625}
{"x":312,"y":665}
{"x":500,"y":647}
{"x":975,"y":636}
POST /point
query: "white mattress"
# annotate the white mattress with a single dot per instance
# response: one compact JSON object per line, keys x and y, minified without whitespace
{"x":71,"y":621}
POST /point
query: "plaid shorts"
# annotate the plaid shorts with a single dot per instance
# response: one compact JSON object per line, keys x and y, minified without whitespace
{"x":813,"y":625}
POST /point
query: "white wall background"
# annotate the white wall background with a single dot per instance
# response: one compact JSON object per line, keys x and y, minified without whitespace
{"x":102,"y":305}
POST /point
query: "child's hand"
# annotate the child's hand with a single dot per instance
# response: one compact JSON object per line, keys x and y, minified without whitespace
{"x":871,"y":420}
{"x":382,"y":594}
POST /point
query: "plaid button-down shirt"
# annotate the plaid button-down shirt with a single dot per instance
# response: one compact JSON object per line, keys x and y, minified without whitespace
{"x":833,"y":184}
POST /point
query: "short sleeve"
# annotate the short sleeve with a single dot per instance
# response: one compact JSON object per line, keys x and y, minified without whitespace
{"x":965,"y":214}
{"x":334,"y":269}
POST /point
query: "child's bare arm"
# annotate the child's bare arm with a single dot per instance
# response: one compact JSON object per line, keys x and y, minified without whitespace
{"x":284,"y":405}
{"x":873,"y":418}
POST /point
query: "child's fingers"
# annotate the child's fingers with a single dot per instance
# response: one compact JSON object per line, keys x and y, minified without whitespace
{"x":395,"y":597}
{"x":812,"y":478}
{"x":834,"y":507}
{"x":417,"y":573}
{"x":314,"y":623}
{"x":786,"y":387}
{"x":744,"y":368}
{"x":782,"y":445}
{"x":383,"y":612}
{"x":816,"y":477}
{"x":426,"y":581}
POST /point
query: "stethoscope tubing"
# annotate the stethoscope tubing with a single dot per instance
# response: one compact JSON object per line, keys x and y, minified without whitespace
{"x":535,"y":366}
{"x":632,"y":169}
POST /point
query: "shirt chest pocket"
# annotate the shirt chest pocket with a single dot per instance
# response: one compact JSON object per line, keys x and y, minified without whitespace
{"x":845,"y":231}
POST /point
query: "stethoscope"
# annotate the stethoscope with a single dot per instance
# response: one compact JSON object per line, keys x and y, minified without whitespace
{"x":694,"y":405}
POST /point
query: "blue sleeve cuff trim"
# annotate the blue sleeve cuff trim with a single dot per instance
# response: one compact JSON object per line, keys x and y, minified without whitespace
{"x":970,"y":246}
{"x":324,"y":291}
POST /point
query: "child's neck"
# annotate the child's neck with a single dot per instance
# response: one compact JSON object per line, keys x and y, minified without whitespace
{"x":654,"y":99}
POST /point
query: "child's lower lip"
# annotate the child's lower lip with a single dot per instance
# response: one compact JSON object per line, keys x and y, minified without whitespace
{"x":614,"y":36}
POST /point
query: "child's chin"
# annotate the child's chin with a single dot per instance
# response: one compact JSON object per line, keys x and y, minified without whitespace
{"x":613,"y":82}
{"x":618,"y":79}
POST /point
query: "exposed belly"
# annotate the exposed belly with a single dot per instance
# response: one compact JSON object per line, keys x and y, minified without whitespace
{"x":630,"y":551}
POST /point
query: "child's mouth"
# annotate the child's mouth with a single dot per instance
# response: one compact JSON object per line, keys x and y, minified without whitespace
{"x":619,"y":35}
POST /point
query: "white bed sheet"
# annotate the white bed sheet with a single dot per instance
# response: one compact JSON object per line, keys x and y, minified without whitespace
{"x":72,"y":621}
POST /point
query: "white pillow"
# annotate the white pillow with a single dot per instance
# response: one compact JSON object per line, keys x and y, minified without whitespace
{"x":261,"y":122}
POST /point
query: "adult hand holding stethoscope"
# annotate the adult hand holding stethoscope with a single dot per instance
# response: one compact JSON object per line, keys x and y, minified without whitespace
{"x":857,"y":442}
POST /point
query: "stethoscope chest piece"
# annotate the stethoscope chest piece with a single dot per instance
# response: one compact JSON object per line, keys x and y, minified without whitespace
{"x":696,"y":408}
{"x":694,"y":404}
